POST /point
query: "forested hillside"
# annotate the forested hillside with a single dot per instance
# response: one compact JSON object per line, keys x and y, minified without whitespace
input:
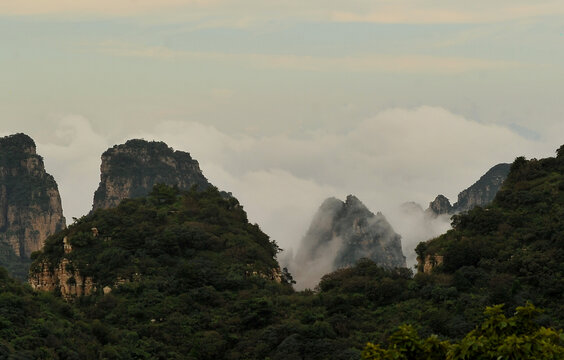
{"x":184,"y":275}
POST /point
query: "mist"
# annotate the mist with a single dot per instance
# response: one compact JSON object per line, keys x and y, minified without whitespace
{"x":393,"y":157}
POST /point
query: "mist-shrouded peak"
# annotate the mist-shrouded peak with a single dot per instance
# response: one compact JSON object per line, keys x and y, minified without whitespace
{"x":411,"y":207}
{"x":340,"y":234}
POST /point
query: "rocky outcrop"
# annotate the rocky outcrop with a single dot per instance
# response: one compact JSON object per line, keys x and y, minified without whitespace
{"x":30,"y":204}
{"x":430,"y":262}
{"x":63,"y":277}
{"x":130,"y":170}
{"x":346,"y":232}
{"x":484,"y":190}
{"x":441,"y":205}
{"x":481,"y":193}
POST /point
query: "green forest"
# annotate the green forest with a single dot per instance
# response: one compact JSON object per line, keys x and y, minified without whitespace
{"x":191,"y":278}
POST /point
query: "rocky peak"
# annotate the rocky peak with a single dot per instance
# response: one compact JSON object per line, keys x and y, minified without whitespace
{"x":348,"y":231}
{"x":441,"y":205}
{"x":30,"y":204}
{"x":481,"y":193}
{"x":130,"y":170}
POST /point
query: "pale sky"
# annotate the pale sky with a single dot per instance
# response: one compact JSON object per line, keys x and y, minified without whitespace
{"x":285,"y":103}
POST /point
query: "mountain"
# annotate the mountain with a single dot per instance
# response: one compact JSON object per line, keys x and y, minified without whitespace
{"x":481,"y":193}
{"x":342,"y":233}
{"x":183,"y":275}
{"x":512,"y":249}
{"x":30,"y":204}
{"x":169,"y":228}
{"x":130,"y":170}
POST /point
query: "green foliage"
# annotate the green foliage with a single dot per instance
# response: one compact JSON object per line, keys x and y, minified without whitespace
{"x":192,"y":279}
{"x":497,"y":337}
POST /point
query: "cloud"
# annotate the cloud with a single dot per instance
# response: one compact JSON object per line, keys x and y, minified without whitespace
{"x":221,"y":12}
{"x":364,"y":63}
{"x":72,"y":155}
{"x":397,"y":155}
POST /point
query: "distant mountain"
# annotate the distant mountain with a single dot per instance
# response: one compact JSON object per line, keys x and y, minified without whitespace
{"x":130,"y":170}
{"x":348,"y":231}
{"x":481,"y":193}
{"x":30,"y":204}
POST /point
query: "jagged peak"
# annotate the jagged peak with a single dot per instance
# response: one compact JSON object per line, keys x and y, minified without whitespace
{"x":355,"y":205}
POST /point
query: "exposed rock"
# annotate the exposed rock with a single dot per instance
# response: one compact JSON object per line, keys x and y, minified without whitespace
{"x":481,"y":193}
{"x":484,"y":190}
{"x":431,"y":262}
{"x":344,"y":232}
{"x":64,"y":278}
{"x":441,"y":205}
{"x":130,"y":170}
{"x":30,"y":204}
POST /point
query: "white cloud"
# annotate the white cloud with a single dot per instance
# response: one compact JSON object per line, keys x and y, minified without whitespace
{"x":395,"y":156}
{"x":72,"y":155}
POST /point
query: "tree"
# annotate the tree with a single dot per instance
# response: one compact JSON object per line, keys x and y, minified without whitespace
{"x":497,"y":338}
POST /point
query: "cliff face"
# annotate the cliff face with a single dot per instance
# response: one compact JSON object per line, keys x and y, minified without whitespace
{"x":484,"y":190}
{"x":130,"y":170}
{"x":64,"y":277}
{"x":348,"y":231}
{"x":481,"y":193}
{"x":441,"y":205}
{"x":30,"y":204}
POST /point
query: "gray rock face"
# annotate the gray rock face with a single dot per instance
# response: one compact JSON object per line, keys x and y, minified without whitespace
{"x":481,"y":193}
{"x":350,"y":232}
{"x":441,"y":205}
{"x":30,"y":204}
{"x":132,"y":169}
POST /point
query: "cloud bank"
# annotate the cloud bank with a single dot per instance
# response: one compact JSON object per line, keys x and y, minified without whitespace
{"x":398,"y":155}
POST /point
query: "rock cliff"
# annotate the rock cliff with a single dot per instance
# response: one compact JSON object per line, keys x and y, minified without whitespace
{"x":481,"y":193}
{"x":63,"y":277}
{"x":130,"y":170}
{"x":30,"y":204}
{"x":441,"y":205}
{"x":346,"y":232}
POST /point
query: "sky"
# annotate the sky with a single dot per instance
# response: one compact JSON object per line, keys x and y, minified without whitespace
{"x":287,"y":103}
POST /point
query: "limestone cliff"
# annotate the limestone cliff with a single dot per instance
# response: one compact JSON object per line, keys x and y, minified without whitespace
{"x":346,"y":232}
{"x":481,"y":193}
{"x":130,"y":170}
{"x":30,"y":204}
{"x":63,"y":277}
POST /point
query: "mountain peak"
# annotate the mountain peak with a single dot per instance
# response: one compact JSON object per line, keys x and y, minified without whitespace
{"x":132,"y":169}
{"x":342,"y":233}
